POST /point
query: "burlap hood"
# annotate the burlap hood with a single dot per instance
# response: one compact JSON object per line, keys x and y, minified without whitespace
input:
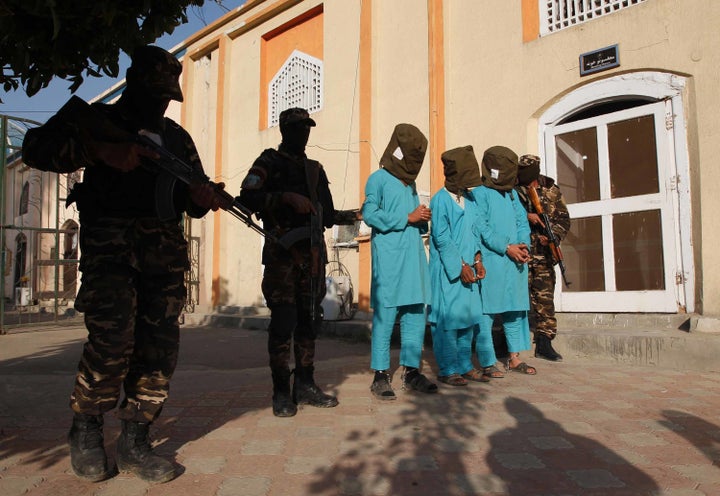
{"x":499,"y":168}
{"x":461,"y":168}
{"x":405,"y":153}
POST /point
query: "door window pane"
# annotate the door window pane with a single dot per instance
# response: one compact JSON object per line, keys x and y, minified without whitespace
{"x":633,"y":157}
{"x":577,"y":165}
{"x":583,"y":252}
{"x":638,"y":251}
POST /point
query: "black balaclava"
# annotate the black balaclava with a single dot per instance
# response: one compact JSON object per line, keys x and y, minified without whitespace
{"x":461,"y":168}
{"x":153,"y":79}
{"x":404,"y":155}
{"x":499,"y":168}
{"x":295,"y":124}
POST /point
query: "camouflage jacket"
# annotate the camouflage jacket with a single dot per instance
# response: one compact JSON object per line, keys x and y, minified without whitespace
{"x":554,"y":206}
{"x":275,"y":172}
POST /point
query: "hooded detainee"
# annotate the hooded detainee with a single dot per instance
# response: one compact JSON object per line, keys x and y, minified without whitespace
{"x":505,"y":239}
{"x":456,"y":272}
{"x":400,"y":279}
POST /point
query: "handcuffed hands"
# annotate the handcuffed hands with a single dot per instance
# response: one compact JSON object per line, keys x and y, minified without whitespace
{"x":518,"y":253}
{"x":467,"y":275}
{"x":420,"y":214}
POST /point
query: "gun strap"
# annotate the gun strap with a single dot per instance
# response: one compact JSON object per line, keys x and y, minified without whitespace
{"x":164,"y":196}
{"x":312,"y":176}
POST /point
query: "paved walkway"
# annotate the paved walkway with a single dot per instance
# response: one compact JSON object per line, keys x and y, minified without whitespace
{"x":578,"y":428}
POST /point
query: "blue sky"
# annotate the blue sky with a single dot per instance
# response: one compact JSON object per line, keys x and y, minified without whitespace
{"x":41,"y":106}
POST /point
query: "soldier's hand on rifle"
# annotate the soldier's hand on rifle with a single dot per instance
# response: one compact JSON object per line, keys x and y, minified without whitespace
{"x":543,"y":239}
{"x":301,"y":204}
{"x":420,"y":214}
{"x":535,"y":220}
{"x":204,"y":195}
{"x":123,"y":156}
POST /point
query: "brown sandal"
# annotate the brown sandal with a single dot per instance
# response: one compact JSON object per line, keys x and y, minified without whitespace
{"x":493,"y":372}
{"x":476,"y":375}
{"x":453,"y":380}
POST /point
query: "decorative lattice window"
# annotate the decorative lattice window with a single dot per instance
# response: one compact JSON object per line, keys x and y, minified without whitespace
{"x":298,"y":83}
{"x":560,"y":14}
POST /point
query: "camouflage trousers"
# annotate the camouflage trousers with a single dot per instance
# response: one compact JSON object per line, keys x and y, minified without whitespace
{"x":541,"y":277}
{"x":286,"y":287}
{"x":131,"y":295}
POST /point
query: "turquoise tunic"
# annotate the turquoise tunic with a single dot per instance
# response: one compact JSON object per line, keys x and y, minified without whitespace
{"x":454,"y":304}
{"x":501,"y":221}
{"x":400,"y":274}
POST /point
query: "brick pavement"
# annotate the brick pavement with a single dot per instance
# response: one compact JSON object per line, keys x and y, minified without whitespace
{"x":581,"y":427}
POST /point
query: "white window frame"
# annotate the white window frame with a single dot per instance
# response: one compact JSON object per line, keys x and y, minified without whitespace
{"x":556,"y":15}
{"x":298,"y":83}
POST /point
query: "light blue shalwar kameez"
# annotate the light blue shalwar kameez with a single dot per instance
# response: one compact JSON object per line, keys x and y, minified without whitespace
{"x":456,"y":308}
{"x":502,"y":220}
{"x":400,"y":277}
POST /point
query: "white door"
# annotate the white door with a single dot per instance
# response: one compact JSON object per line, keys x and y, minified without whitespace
{"x":617,"y":175}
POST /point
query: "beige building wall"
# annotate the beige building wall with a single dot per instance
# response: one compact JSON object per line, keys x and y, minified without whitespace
{"x":495,"y":88}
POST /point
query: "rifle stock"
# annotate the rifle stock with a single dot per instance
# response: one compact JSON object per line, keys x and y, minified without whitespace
{"x":552,"y":239}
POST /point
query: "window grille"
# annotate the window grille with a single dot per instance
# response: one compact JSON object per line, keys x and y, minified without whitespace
{"x":298,"y":83}
{"x":560,"y":14}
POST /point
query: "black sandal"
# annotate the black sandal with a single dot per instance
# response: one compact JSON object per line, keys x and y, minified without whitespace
{"x":413,"y":379}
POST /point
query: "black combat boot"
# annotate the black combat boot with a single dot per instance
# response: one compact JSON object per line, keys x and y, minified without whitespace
{"x":134,"y":454}
{"x":282,"y":401}
{"x":87,"y":448}
{"x":544,"y":349}
{"x":306,"y":392}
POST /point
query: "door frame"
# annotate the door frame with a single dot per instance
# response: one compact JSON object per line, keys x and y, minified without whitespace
{"x":653,"y":85}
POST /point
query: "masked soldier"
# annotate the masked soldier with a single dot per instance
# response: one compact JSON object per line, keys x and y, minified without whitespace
{"x":291,"y":194}
{"x":540,"y":268}
{"x":133,"y":256}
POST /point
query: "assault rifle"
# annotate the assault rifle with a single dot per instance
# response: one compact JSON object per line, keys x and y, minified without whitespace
{"x":100,"y":128}
{"x":316,"y":254}
{"x":553,"y":243}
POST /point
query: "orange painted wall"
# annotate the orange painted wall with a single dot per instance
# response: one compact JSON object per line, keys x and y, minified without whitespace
{"x":304,"y":33}
{"x":530,"y":20}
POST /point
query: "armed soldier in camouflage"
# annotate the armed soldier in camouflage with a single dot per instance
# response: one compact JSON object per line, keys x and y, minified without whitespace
{"x":541,"y":272}
{"x":291,"y":194}
{"x":133,"y":256}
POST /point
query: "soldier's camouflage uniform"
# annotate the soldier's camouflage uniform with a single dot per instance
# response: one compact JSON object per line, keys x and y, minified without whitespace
{"x":132,"y":265}
{"x":541,"y":273}
{"x":287,"y":275}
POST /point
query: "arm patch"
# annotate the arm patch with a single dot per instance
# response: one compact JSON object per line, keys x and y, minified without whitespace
{"x":255,"y":179}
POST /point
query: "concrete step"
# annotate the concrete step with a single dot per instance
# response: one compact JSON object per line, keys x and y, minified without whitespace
{"x":679,"y":342}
